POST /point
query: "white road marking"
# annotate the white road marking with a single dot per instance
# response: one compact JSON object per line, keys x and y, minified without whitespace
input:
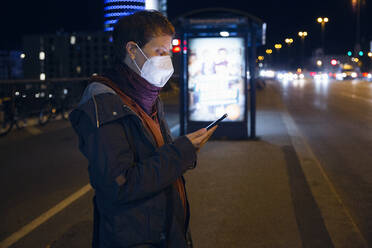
{"x":44,"y":217}
{"x":340,"y":225}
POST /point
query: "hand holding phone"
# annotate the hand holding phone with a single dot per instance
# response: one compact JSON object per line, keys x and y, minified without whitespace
{"x":216,"y":122}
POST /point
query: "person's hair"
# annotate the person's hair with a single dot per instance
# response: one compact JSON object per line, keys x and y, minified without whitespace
{"x":139,"y":27}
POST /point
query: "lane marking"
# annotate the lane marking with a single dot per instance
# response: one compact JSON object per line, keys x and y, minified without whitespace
{"x":44,"y":217}
{"x":339,"y":222}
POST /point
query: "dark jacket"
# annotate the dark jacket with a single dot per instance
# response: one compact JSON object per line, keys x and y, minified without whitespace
{"x":132,"y":178}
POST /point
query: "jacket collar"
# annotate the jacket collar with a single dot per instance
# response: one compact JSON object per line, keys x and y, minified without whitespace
{"x":101,"y":104}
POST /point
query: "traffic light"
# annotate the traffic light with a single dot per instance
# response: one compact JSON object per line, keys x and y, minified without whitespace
{"x":176,"y":45}
{"x":349,"y":53}
{"x":176,"y":49}
{"x":333,"y":62}
{"x":361,"y":53}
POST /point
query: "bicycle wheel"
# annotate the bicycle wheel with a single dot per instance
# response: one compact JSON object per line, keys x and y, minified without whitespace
{"x":45,"y":114}
{"x":6,"y":125}
{"x":21,"y":123}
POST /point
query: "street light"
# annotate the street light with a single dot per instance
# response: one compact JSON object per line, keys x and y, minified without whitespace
{"x":302,"y":34}
{"x":370,"y":54}
{"x":323,"y":21}
{"x":278,"y":46}
{"x":289,"y":41}
{"x":277,"y":57}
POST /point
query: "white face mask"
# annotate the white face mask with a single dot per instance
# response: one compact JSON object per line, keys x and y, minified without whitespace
{"x":156,"y":70}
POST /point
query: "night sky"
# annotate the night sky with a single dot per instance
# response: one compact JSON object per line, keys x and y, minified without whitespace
{"x":284,"y":18}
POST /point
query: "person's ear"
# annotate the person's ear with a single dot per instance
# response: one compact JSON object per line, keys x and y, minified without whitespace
{"x":131,"y":49}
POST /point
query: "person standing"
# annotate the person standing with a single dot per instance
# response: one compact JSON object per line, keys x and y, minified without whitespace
{"x":135,"y":167}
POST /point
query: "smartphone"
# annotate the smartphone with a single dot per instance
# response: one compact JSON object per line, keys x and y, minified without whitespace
{"x":216,"y":122}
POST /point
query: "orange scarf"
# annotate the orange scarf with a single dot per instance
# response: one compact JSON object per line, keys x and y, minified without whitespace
{"x":152,"y":125}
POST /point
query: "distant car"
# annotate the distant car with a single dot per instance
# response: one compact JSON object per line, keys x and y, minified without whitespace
{"x":367,"y":76}
{"x":347,"y":74}
{"x":320,"y":75}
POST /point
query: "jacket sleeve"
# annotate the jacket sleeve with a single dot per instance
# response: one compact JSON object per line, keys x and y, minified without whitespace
{"x":115,"y":174}
{"x":164,"y":123}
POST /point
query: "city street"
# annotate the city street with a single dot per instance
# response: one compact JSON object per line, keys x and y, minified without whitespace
{"x":335,"y":119}
{"x":242,"y":194}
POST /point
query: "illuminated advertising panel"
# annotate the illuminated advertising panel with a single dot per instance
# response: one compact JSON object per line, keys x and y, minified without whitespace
{"x":216,"y":69}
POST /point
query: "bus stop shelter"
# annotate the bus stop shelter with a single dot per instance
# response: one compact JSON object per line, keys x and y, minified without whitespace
{"x":218,"y":64}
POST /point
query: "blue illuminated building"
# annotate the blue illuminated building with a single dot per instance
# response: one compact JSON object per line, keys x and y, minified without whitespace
{"x":114,"y":9}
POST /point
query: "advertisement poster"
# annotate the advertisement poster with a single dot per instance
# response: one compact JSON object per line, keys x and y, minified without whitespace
{"x":216,"y":78}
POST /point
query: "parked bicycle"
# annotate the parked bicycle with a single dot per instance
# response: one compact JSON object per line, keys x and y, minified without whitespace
{"x":11,"y":113}
{"x":57,"y":103}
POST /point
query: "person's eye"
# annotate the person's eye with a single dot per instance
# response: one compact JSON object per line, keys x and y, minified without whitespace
{"x":159,"y":52}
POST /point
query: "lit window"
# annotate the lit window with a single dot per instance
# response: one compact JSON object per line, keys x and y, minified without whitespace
{"x":224,"y":33}
{"x":41,"y":55}
{"x":72,"y":40}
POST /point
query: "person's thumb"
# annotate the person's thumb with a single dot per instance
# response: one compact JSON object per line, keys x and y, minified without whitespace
{"x":196,"y":134}
{"x":200,"y":132}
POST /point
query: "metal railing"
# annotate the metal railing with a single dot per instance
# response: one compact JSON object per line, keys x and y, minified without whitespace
{"x":43,"y":99}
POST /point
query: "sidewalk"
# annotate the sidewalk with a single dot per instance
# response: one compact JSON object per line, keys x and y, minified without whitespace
{"x":240,"y":194}
{"x":257,"y":193}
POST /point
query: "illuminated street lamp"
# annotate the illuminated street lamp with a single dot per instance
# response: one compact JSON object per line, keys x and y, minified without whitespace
{"x":269,"y":52}
{"x":302,"y":35}
{"x":277,"y":57}
{"x":289,"y":41}
{"x":278,"y":46}
{"x":370,"y":54}
{"x":323,"y":21}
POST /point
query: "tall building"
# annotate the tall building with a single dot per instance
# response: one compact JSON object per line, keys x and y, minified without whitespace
{"x":64,"y":55}
{"x":114,"y":9}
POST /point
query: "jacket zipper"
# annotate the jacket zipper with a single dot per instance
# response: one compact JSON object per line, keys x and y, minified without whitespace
{"x":95,"y":106}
